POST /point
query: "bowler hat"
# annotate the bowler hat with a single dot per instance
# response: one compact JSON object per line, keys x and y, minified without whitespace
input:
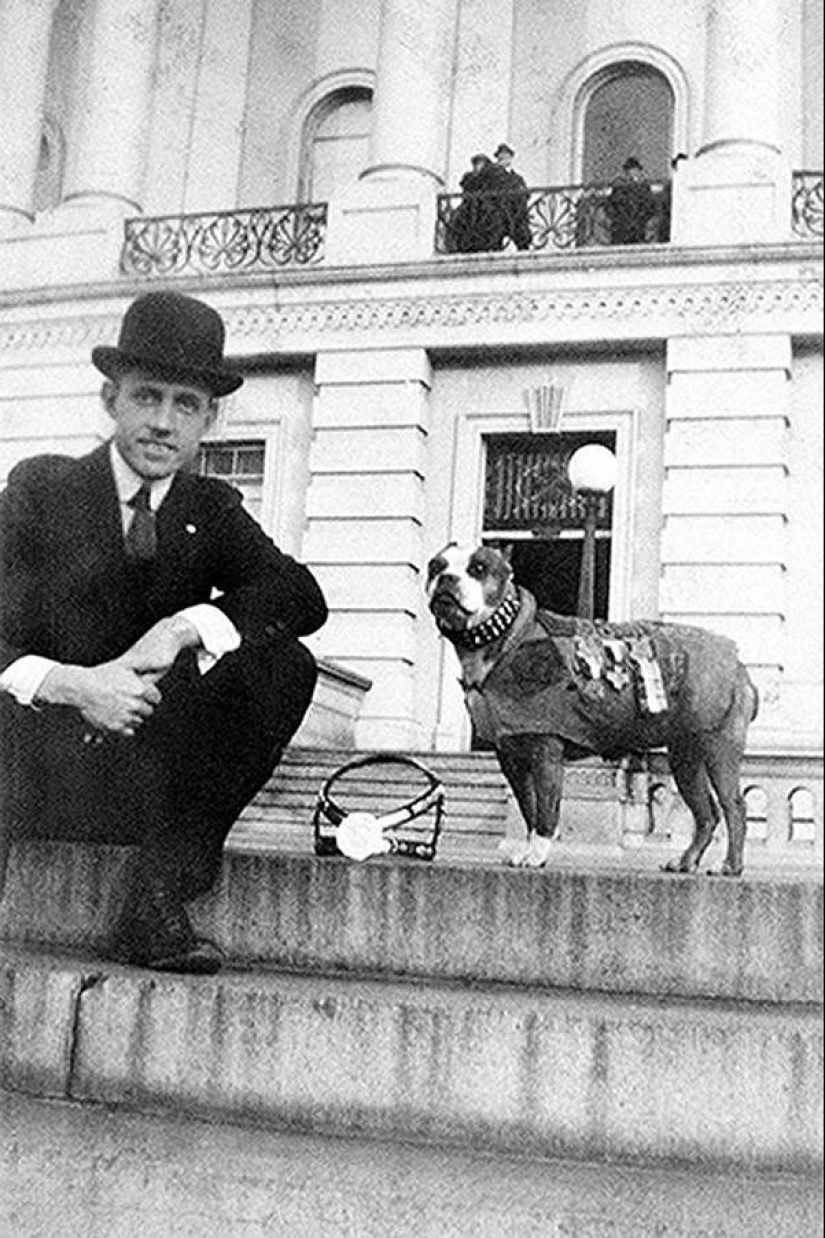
{"x":503,"y":149}
{"x":177,"y":336}
{"x":631,"y":163}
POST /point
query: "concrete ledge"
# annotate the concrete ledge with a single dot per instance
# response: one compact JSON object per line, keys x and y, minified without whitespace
{"x":552,"y":1074}
{"x":643,"y":933}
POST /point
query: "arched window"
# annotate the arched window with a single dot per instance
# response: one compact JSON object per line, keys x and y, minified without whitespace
{"x":336,"y":143}
{"x":629,"y":112}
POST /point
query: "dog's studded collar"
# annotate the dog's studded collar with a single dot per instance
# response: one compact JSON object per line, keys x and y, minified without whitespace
{"x":501,"y":620}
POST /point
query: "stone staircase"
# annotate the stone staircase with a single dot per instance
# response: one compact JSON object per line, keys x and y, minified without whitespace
{"x":572,"y":1012}
{"x":476,"y":800}
{"x":610,"y":815}
{"x":596,"y":1009}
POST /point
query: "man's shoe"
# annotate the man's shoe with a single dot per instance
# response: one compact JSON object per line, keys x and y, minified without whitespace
{"x":154,"y":931}
{"x":202,"y":958}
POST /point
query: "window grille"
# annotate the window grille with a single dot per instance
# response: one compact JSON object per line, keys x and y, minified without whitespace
{"x":239,"y":462}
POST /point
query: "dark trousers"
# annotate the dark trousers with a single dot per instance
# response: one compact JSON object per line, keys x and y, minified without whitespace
{"x":176,"y":788}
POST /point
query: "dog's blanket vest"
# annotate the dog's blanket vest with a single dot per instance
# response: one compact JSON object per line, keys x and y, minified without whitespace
{"x":610,"y":688}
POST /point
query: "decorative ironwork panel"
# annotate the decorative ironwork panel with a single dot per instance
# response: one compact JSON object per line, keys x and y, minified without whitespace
{"x":262,"y":238}
{"x":527,"y":485}
{"x":562,"y":217}
{"x":806,"y":208}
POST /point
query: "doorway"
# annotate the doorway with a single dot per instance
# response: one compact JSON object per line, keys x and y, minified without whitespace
{"x":533,"y":515}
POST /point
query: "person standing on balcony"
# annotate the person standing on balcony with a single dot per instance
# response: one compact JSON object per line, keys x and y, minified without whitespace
{"x":630,"y":206}
{"x":513,"y":199}
{"x":474,"y":226}
{"x":150,"y":668}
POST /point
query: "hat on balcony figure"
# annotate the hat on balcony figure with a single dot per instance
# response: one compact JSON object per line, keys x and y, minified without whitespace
{"x":503,"y":149}
{"x":631,"y":163}
{"x":178,"y":337}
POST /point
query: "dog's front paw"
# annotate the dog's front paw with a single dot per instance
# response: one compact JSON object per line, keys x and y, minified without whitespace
{"x":513,"y":851}
{"x":538,"y":851}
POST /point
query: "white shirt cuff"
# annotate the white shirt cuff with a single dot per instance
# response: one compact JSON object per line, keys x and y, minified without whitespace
{"x":23,"y":678}
{"x":218,"y":634}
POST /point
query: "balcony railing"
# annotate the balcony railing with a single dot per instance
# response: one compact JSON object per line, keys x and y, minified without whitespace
{"x":561,"y":217}
{"x":806,"y":207}
{"x":258,"y":239}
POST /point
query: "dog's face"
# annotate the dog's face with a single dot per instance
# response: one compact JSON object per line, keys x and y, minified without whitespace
{"x":465,"y":584}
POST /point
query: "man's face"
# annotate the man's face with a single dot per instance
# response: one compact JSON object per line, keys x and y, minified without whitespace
{"x":158,"y":424}
{"x":505,"y":158}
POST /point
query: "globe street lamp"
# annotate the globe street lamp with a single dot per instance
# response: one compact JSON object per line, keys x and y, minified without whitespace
{"x":592,"y":473}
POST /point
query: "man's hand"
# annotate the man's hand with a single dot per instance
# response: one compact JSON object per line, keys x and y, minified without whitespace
{"x":111,"y":698}
{"x":158,"y":648}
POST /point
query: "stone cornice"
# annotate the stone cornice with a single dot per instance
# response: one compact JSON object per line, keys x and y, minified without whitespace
{"x":449,"y":313}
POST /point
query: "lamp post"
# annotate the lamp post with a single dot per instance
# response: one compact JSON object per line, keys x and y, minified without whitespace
{"x":592,"y":473}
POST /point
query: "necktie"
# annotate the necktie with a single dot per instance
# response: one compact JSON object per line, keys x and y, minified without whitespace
{"x":141,"y":536}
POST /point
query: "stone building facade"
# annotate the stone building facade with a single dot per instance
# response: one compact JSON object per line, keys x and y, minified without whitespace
{"x":295,"y":164}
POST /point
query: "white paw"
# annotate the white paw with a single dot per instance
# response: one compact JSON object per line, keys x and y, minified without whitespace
{"x":513,"y":851}
{"x":538,"y":851}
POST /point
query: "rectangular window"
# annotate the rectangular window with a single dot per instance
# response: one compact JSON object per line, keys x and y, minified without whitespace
{"x":241,"y":463}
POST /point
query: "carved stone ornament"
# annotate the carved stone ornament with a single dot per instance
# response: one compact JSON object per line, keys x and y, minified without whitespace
{"x":702,"y":308}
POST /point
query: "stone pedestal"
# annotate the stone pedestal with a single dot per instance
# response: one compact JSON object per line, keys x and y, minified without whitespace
{"x":382,"y":220}
{"x":365,"y":512}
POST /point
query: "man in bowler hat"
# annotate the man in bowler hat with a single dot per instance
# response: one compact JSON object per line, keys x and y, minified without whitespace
{"x":513,"y":202}
{"x":150,"y":668}
{"x":631,"y":205}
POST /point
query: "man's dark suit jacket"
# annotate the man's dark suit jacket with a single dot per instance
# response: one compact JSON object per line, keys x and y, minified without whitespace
{"x":68,"y":592}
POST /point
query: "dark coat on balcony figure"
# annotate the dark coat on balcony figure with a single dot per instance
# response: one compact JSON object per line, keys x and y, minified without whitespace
{"x":475,"y":226}
{"x":631,"y":206}
{"x":512,"y":199}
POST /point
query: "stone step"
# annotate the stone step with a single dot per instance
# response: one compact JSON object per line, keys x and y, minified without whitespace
{"x":754,"y":939}
{"x":606,"y":813}
{"x":483,"y":1066}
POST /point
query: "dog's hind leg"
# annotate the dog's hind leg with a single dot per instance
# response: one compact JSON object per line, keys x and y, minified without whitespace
{"x":723,"y":751}
{"x":723,"y":757}
{"x":691,"y":776}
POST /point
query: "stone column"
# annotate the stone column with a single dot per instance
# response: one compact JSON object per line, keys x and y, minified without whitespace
{"x":737,"y":189}
{"x":411,"y":109}
{"x":25,"y":27}
{"x":218,"y":121}
{"x":390,"y":214}
{"x":107,"y":163}
{"x":365,"y":515}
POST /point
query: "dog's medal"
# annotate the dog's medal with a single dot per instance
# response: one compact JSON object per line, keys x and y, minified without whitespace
{"x":653,"y":698}
{"x":615,"y":671}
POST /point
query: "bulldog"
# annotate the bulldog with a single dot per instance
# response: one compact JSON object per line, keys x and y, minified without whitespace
{"x":543,"y":688}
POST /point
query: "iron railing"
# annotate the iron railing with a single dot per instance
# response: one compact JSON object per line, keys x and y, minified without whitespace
{"x":806,"y":204}
{"x":560,"y":217}
{"x":260,"y":238}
